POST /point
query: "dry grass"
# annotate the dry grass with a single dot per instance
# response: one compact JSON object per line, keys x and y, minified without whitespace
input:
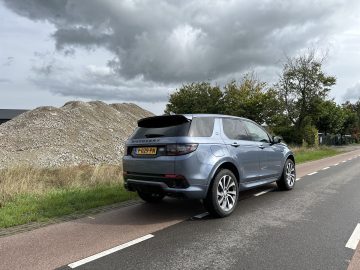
{"x":30,"y":180}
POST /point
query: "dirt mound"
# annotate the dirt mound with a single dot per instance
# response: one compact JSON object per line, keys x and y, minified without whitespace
{"x":77,"y":133}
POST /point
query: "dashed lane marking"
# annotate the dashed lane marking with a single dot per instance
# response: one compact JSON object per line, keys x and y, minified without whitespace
{"x":325,"y":168}
{"x":312,"y":173}
{"x":199,"y":216}
{"x":354,"y":238}
{"x":263,"y":192}
{"x":110,"y":251}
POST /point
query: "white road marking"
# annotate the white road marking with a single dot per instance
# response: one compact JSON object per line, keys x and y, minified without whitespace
{"x":354,"y":238}
{"x":325,"y":168}
{"x":199,"y":216}
{"x":336,"y":164}
{"x":343,"y":161}
{"x":297,"y":179}
{"x":312,"y":173}
{"x":110,"y":251}
{"x":263,"y":192}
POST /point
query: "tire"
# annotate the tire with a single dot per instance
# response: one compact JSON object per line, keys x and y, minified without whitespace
{"x":151,"y":197}
{"x":288,"y":177}
{"x":220,"y":203}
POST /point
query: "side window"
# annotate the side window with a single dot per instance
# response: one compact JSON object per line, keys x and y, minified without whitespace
{"x":202,"y":127}
{"x":234,"y":129}
{"x":257,"y":133}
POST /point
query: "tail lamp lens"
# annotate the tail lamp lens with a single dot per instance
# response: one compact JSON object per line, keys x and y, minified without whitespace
{"x":180,"y":149}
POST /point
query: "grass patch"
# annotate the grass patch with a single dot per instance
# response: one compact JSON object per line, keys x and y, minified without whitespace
{"x":29,"y":194}
{"x":303,"y":154}
{"x":27,"y":208}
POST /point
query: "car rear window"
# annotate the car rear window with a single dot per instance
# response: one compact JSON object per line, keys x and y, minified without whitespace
{"x":162,"y":126}
{"x":202,"y":127}
{"x":174,"y":126}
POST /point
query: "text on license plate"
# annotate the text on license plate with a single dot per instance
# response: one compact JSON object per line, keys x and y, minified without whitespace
{"x":146,"y":151}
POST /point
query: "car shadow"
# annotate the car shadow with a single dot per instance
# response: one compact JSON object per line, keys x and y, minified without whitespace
{"x":145,"y":213}
{"x":168,"y":211}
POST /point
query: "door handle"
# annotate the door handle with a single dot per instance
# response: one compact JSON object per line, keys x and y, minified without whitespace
{"x":261,"y":146}
{"x":235,"y":144}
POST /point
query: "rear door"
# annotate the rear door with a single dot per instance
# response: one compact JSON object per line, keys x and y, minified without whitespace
{"x":271,"y":155}
{"x":245,"y":151}
{"x":146,"y":148}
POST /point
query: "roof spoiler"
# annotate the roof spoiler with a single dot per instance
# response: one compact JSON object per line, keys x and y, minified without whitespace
{"x":162,"y":121}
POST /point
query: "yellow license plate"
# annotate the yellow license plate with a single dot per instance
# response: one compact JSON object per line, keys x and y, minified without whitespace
{"x":146,"y":151}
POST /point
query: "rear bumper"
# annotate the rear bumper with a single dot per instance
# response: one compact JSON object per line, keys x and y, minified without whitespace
{"x":148,"y":173}
{"x":165,"y":186}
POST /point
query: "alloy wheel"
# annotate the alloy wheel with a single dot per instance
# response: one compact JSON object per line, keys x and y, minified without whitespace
{"x":226,"y":193}
{"x":290,"y":174}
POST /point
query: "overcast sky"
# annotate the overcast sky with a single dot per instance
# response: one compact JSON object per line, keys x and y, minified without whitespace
{"x":140,"y":51}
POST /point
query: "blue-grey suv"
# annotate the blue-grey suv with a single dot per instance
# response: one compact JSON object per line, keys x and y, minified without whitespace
{"x":204,"y":156}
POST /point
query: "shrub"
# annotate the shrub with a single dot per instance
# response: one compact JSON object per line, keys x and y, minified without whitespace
{"x":310,"y":136}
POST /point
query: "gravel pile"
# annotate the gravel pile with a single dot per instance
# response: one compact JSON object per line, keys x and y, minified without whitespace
{"x":77,"y":133}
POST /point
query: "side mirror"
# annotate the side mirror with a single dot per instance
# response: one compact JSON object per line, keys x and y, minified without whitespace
{"x":277,"y":139}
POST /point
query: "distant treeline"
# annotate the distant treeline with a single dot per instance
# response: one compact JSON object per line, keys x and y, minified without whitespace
{"x":297,"y":107}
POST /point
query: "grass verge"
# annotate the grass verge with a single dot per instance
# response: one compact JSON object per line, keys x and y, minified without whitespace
{"x":303,"y":154}
{"x":27,"y":208}
{"x":29,"y":194}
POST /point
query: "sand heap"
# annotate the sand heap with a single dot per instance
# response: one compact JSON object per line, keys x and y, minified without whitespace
{"x":77,"y":133}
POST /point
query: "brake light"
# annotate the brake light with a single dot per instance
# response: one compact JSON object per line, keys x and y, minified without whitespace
{"x":180,"y":149}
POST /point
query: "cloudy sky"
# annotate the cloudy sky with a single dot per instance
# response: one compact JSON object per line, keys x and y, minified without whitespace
{"x":52,"y":51}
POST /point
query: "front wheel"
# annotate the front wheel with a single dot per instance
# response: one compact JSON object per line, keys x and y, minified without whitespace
{"x":151,"y":197}
{"x":223,"y":194}
{"x":288,"y":177}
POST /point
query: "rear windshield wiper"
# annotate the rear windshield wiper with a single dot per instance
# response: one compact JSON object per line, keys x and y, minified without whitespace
{"x":153,"y":135}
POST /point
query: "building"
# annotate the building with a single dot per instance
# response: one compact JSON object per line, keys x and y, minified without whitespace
{"x":8,"y":114}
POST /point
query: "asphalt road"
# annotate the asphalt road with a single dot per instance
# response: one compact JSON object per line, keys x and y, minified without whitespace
{"x":306,"y":228}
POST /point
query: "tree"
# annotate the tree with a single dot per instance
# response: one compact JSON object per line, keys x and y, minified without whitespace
{"x":302,"y":88}
{"x":199,"y":97}
{"x":331,"y":118}
{"x":351,"y":123}
{"x":252,"y":99}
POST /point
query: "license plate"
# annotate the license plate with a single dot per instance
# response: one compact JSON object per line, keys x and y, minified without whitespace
{"x":146,"y":151}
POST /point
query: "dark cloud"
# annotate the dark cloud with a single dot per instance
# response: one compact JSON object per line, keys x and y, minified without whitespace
{"x":180,"y":41}
{"x":352,"y":93}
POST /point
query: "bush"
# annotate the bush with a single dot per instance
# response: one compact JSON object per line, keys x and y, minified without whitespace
{"x":310,"y":136}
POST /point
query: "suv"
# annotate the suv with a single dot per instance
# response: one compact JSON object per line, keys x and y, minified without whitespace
{"x":204,"y":156}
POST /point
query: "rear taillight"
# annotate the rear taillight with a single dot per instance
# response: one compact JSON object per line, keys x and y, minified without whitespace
{"x":180,"y":149}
